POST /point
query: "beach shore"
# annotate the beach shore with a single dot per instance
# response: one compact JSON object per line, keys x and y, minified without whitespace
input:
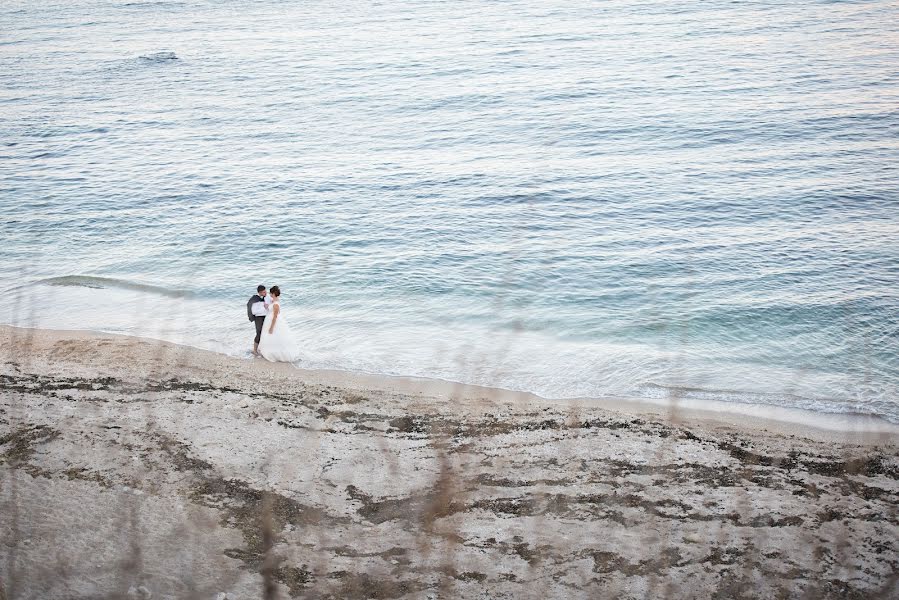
{"x":137,"y":468}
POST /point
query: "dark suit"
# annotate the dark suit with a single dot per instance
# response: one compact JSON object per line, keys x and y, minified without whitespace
{"x":258,"y":321}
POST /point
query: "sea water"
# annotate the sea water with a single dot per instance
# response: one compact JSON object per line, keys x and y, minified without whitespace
{"x":694,"y":200}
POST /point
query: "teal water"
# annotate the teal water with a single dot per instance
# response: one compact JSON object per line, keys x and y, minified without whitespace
{"x":646,"y":199}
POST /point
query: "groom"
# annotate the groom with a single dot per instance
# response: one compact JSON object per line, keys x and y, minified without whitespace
{"x":257,"y":307}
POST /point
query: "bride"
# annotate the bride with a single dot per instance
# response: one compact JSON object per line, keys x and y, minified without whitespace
{"x":277,"y":343}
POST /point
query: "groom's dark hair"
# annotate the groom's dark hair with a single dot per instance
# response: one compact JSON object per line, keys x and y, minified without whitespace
{"x":260,"y":288}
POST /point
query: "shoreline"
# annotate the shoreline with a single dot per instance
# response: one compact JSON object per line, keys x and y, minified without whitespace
{"x":757,"y":417}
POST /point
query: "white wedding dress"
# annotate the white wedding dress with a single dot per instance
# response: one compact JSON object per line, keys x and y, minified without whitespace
{"x":280,"y":345}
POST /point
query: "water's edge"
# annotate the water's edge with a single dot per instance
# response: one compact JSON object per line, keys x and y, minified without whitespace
{"x":742,"y":415}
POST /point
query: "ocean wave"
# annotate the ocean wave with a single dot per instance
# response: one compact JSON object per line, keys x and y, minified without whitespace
{"x":154,"y":5}
{"x":90,"y":281}
{"x":159,"y":56}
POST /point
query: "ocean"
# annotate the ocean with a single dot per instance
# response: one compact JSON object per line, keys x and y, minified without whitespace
{"x":652,"y":200}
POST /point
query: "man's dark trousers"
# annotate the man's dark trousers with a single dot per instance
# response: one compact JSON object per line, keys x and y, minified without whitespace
{"x":259,"y":321}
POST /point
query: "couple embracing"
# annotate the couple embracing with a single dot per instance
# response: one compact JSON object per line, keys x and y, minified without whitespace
{"x":274,"y":340}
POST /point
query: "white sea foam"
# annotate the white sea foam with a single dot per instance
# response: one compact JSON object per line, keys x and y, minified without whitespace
{"x":511,"y":359}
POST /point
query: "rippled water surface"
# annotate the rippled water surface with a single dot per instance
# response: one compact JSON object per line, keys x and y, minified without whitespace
{"x":696,"y":199}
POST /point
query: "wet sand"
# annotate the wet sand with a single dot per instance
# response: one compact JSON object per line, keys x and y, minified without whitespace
{"x":136,"y":468}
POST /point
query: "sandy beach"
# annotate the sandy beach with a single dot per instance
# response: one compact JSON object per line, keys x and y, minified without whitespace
{"x":140,"y":469}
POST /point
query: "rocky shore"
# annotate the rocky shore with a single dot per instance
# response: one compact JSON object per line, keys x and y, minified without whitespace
{"x":139,"y":469}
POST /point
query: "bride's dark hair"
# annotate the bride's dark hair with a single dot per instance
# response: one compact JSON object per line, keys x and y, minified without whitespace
{"x":275,"y":290}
